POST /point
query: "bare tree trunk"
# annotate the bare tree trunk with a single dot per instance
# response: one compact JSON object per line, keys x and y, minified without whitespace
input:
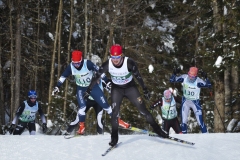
{"x":90,"y":31}
{"x":59,"y":37}
{"x":235,"y":88}
{"x":227,"y":96}
{"x":219,"y":106}
{"x":110,"y":39}
{"x":18,"y":57}
{"x":68,"y":59}
{"x":2,"y":111}
{"x":49,"y":112}
{"x":37,"y":49}
{"x":219,"y":82}
{"x":86,"y":54}
{"x":12,"y":62}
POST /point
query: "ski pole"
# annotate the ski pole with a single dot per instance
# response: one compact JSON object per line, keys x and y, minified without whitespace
{"x":64,"y":122}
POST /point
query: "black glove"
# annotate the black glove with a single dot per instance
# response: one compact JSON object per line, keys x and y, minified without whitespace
{"x":146,"y":94}
{"x":44,"y":127}
{"x":12,"y":128}
{"x":176,"y":70}
{"x":87,"y":94}
{"x":204,"y":74}
{"x":151,"y":107}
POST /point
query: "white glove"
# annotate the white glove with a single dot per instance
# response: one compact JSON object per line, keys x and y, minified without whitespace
{"x":108,"y":86}
{"x":55,"y":90}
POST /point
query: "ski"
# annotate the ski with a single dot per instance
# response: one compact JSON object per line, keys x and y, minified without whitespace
{"x":110,"y":149}
{"x":173,"y":139}
{"x":71,"y":136}
{"x":143,"y":131}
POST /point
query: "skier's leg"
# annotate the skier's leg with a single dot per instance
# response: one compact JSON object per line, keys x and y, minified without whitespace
{"x":100,"y":98}
{"x":81,"y":103}
{"x":98,"y":111}
{"x":134,"y":96}
{"x":116,"y":99}
{"x":197,"y":108}
{"x":184,"y":115}
{"x":32,"y":128}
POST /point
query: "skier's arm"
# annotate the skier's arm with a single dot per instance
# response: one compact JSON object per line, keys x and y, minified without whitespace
{"x":99,"y":73}
{"x":155,"y":104}
{"x":40,"y":111}
{"x":132,"y":67}
{"x":204,"y":84}
{"x":18,"y":113}
{"x":67,"y":72}
{"x":176,"y":79}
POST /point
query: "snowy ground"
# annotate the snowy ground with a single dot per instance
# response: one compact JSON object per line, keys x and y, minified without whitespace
{"x":214,"y":146}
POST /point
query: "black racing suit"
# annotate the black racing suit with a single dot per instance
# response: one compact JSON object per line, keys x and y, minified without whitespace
{"x":29,"y":125}
{"x":129,"y":91}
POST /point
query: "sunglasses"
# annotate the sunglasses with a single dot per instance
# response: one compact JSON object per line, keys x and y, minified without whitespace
{"x":167,"y":99}
{"x":76,"y":64}
{"x":115,"y":57}
{"x":32,"y":97}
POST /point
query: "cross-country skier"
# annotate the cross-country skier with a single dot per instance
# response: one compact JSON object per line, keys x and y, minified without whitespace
{"x":169,"y":111}
{"x":192,"y":85}
{"x":83,"y":71}
{"x":98,"y":111}
{"x":122,"y":69}
{"x":26,"y":115}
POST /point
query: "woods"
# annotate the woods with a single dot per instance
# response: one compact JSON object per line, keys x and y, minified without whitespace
{"x":38,"y":36}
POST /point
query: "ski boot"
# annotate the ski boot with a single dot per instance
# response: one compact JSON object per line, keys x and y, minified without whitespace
{"x":81,"y":129}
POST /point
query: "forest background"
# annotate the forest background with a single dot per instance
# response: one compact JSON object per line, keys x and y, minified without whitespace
{"x":38,"y":36}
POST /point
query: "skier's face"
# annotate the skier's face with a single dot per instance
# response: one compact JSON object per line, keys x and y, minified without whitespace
{"x":191,"y":78}
{"x":116,"y":60}
{"x":76,"y":64}
{"x":33,"y":99}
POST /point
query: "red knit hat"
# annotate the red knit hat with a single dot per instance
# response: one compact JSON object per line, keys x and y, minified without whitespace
{"x":193,"y":71}
{"x":116,"y":50}
{"x":76,"y":56}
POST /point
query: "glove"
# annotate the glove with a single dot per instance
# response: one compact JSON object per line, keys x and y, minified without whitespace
{"x":203,"y":74}
{"x":151,"y":107}
{"x":108,"y":86}
{"x":44,"y":127}
{"x":146,"y":94}
{"x":176,"y":70}
{"x":12,"y":128}
{"x":87,"y":94}
{"x":55,"y":90}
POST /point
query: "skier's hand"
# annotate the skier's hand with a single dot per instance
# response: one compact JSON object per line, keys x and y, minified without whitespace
{"x":12,"y":128}
{"x":204,"y":74}
{"x":44,"y":127}
{"x":87,"y":94}
{"x":176,"y":70}
{"x":108,"y":86}
{"x":146,"y":93}
{"x":151,"y":107}
{"x":55,"y":90}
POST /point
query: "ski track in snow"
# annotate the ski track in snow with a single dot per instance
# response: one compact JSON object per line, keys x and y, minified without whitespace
{"x":213,"y":146}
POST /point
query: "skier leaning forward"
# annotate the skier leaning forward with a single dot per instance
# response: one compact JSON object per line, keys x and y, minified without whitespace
{"x":122,"y":69}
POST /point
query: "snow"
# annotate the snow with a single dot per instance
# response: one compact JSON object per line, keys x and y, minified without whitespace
{"x":214,"y":146}
{"x":218,"y":61}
